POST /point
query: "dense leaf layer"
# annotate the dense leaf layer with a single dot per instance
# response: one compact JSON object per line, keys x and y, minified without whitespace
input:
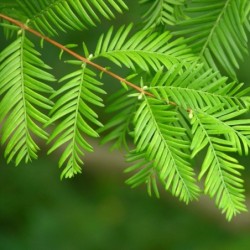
{"x":145,"y":49}
{"x":216,"y":31}
{"x":121,"y":108}
{"x":196,"y":88}
{"x":162,"y":12}
{"x":165,"y":146}
{"x":215,"y":129}
{"x":49,"y":16}
{"x":186,"y":106}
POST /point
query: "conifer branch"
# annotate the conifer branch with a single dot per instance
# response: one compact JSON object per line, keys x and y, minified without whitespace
{"x":181,"y":104}
{"x":74,"y":54}
{"x":81,"y":58}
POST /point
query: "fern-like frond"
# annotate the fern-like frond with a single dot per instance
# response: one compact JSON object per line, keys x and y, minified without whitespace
{"x":228,"y":123}
{"x":146,"y":173}
{"x":145,"y":49}
{"x":122,"y":109}
{"x":47,"y":16}
{"x":195,"y":88}
{"x":22,"y":86}
{"x":165,"y":146}
{"x":161,"y":12}
{"x":222,"y":133}
{"x":73,"y":113}
{"x":216,"y":32}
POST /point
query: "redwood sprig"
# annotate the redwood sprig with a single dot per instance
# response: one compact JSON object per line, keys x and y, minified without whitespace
{"x":74,"y":54}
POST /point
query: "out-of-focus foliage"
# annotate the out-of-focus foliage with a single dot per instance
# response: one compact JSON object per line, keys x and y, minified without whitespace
{"x":38,"y":211}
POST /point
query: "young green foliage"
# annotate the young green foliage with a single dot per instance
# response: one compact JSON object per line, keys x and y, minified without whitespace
{"x":214,"y":108}
{"x":166,"y":146}
{"x":121,"y":108}
{"x":217,"y":32}
{"x":73,"y":111}
{"x":162,"y":12}
{"x":213,"y":128}
{"x":145,"y":49}
{"x":179,"y":104}
{"x":51,"y":16}
{"x":23,"y":104}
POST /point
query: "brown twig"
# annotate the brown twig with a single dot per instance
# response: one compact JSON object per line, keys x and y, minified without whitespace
{"x":81,"y":58}
{"x":77,"y":56}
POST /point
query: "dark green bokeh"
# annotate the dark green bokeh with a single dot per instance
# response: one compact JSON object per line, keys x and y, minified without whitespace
{"x":96,"y":210}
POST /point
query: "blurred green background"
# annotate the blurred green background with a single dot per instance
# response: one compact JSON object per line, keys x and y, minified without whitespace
{"x":96,"y":210}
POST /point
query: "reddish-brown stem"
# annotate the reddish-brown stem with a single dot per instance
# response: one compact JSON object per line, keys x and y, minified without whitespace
{"x":81,"y":58}
{"x":71,"y":52}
